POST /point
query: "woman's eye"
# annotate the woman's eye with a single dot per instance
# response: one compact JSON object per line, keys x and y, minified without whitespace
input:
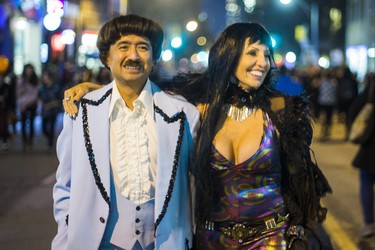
{"x":252,"y":53}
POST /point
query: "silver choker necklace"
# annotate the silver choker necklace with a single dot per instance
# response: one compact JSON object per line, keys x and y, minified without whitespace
{"x":238,"y":114}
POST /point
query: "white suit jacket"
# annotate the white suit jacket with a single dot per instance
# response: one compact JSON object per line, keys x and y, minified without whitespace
{"x":85,"y":200}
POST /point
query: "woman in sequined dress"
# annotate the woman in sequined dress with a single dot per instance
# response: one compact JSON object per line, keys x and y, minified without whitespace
{"x":256,"y":185}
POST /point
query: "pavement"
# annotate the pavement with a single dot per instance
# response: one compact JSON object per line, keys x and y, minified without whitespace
{"x":26,"y":181}
{"x":344,"y":220}
{"x":27,"y":177}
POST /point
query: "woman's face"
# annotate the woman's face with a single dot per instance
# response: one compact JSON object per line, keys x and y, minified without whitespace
{"x":253,"y":65}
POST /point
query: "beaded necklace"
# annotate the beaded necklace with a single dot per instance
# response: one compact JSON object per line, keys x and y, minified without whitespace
{"x":239,"y":103}
{"x":179,"y":116}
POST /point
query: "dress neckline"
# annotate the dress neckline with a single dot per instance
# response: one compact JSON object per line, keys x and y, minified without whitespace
{"x":232,"y":164}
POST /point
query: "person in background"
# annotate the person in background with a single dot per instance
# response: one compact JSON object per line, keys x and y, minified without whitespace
{"x":4,"y":109}
{"x":50,"y":97}
{"x":256,"y":185}
{"x":365,"y":159}
{"x":286,"y":84}
{"x":327,"y":100}
{"x":123,"y":180}
{"x":11,"y":81}
{"x":27,"y":98}
{"x":347,"y":91}
{"x":104,"y":76}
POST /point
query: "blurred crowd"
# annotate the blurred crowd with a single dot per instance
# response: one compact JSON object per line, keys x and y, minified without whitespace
{"x":28,"y":95}
{"x":25,"y":96}
{"x":331,"y":91}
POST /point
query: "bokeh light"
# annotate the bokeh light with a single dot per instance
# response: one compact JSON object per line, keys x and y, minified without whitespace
{"x":176,"y":42}
{"x":290,"y":57}
{"x":201,"y":41}
{"x":51,"y":21}
{"x":323,"y":62}
{"x":278,"y":59}
{"x":167,"y":55}
{"x":192,"y":26}
{"x":285,"y":1}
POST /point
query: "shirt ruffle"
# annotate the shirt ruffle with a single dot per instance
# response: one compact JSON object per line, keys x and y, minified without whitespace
{"x":132,"y":155}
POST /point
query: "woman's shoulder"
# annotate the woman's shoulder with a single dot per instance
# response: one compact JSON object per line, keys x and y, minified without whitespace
{"x":288,"y":103}
{"x":292,"y":115}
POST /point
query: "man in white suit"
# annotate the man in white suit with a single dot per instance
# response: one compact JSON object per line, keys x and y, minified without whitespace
{"x":123,"y":175}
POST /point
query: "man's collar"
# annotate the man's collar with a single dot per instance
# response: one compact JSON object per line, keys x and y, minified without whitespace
{"x":145,"y":97}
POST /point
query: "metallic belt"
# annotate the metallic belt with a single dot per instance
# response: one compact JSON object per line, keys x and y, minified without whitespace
{"x":243,"y":231}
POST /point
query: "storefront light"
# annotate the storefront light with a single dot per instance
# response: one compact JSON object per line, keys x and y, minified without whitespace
{"x":89,"y":38}
{"x":371,"y":52}
{"x":56,"y":42}
{"x":51,"y":22}
{"x":68,"y":36}
{"x":44,"y":52}
{"x":20,"y":23}
{"x":167,"y":55}
{"x":56,"y":7}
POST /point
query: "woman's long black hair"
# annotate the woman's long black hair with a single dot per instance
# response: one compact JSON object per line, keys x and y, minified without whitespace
{"x":303,"y":182}
{"x":211,"y":88}
{"x":223,"y":60}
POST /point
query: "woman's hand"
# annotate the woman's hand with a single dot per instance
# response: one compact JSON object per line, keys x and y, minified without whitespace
{"x":74,"y":94}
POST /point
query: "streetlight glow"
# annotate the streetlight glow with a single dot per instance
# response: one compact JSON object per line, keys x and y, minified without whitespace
{"x":68,"y":36}
{"x":167,"y":55}
{"x":324,"y":62}
{"x":194,"y":58}
{"x":201,"y":41}
{"x":273,"y":42}
{"x":192,"y":26}
{"x":371,"y":52}
{"x":290,"y":57}
{"x":278,"y":59}
{"x":51,"y":22}
{"x":285,"y":1}
{"x":176,"y":42}
{"x":311,"y":10}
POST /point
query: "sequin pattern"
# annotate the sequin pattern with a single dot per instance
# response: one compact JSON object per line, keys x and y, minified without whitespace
{"x":86,"y":131}
{"x":246,"y":192}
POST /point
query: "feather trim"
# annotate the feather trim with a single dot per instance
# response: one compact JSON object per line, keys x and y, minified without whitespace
{"x":304,"y":183}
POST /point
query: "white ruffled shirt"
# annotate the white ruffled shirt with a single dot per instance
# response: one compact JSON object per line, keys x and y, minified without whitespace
{"x":133,"y":145}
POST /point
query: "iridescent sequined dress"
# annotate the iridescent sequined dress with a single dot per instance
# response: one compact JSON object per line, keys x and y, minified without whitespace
{"x":245,"y":193}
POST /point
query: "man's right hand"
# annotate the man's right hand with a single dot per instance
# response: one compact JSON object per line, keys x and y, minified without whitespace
{"x":73,"y":95}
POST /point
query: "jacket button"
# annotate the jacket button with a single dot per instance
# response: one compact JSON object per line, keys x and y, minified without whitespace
{"x":102,"y":220}
{"x":137,"y":232}
{"x":138,"y":208}
{"x":137,"y":220}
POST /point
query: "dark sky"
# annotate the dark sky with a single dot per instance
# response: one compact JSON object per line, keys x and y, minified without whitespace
{"x":279,"y":19}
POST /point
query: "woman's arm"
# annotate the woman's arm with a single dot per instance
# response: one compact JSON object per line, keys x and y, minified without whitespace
{"x":74,"y":94}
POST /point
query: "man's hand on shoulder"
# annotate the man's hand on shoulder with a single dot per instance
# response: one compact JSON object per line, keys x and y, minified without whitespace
{"x":73,"y":95}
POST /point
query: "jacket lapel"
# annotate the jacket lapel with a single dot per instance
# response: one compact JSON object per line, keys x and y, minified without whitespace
{"x":97,"y":137}
{"x":167,"y":142}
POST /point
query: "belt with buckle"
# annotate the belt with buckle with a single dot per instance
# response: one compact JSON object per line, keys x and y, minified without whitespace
{"x":245,"y":230}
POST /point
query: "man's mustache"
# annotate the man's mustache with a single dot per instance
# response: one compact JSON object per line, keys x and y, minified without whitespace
{"x":133,"y":63}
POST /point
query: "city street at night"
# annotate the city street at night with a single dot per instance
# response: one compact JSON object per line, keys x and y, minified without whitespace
{"x":26,"y":180}
{"x":223,"y":70}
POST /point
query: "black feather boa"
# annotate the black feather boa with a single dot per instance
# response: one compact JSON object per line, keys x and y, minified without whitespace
{"x":303,"y":182}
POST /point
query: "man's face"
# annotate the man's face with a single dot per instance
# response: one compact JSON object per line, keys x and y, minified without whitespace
{"x":130,"y":60}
